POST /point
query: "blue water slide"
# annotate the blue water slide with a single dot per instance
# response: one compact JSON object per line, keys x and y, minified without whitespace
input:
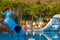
{"x":9,"y":14}
{"x":12,"y":24}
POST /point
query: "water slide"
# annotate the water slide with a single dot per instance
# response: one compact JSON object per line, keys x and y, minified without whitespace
{"x":53,"y":21}
{"x":49,"y":24}
{"x":51,"y":30}
{"x":9,"y":21}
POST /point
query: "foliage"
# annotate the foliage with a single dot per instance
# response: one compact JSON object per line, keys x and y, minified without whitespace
{"x":2,"y":15}
{"x":31,"y":10}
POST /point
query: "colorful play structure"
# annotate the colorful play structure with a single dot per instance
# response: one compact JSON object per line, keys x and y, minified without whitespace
{"x":50,"y":32}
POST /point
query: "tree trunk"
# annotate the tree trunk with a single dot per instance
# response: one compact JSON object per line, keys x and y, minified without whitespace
{"x":18,"y":16}
{"x":21,"y":18}
{"x":32,"y":22}
{"x":25,"y":25}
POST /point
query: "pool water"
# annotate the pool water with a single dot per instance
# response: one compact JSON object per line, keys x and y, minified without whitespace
{"x":36,"y":36}
{"x":13,"y":36}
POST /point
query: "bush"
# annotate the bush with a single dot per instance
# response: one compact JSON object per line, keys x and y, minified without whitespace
{"x":2,"y":15}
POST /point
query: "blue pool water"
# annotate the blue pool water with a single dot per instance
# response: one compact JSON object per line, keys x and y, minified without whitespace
{"x":13,"y":36}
